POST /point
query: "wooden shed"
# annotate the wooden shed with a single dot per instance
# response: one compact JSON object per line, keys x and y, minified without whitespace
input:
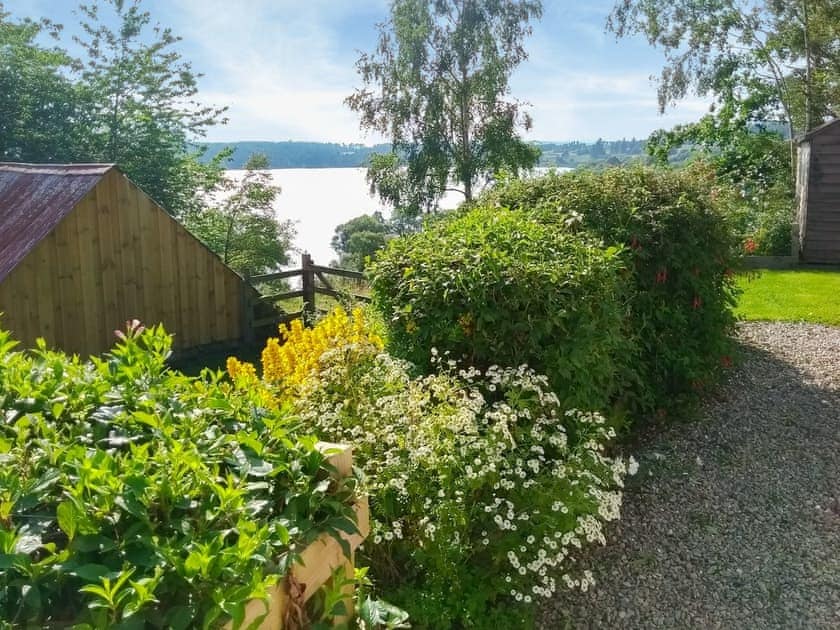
{"x":83,"y":250}
{"x":818,"y":194}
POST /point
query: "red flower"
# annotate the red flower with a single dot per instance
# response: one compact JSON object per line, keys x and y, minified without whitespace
{"x":750,"y":246}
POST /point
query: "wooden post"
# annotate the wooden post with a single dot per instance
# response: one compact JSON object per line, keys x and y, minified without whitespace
{"x":318,"y":562}
{"x":308,"y":288}
{"x":247,"y":309}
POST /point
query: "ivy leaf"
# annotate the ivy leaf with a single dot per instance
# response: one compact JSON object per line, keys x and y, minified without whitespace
{"x":67,"y":516}
{"x":379,"y":614}
{"x":180,"y":617}
{"x":91,"y":572}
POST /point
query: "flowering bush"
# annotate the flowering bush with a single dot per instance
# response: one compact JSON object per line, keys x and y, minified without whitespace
{"x":482,"y":486}
{"x":677,"y":228}
{"x":134,"y":497}
{"x":290,"y":359}
{"x":494,"y":286}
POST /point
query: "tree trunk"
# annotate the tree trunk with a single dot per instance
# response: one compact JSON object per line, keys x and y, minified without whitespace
{"x":466,"y":154}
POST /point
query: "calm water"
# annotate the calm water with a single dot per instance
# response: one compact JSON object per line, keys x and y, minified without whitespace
{"x":319,"y":199}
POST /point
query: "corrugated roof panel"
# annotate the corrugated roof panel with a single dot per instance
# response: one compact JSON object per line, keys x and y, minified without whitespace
{"x":34,"y":198}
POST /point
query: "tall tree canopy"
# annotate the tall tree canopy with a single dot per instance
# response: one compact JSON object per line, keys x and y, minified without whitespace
{"x":437,"y":85}
{"x":143,"y":107}
{"x":240,"y":225}
{"x":41,"y":115}
{"x":784,"y":52}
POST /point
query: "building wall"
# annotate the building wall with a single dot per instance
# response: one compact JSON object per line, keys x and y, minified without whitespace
{"x":115,"y":257}
{"x":821,"y":241}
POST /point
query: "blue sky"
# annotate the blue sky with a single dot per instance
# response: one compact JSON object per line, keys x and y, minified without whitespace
{"x":284,"y":67}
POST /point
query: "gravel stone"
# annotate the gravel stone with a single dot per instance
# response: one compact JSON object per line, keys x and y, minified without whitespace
{"x":733,"y":520}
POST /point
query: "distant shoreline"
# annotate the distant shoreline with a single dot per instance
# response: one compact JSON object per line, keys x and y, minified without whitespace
{"x":323,"y":155}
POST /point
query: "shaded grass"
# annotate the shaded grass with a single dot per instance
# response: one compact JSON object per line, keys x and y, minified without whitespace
{"x":811,"y":295}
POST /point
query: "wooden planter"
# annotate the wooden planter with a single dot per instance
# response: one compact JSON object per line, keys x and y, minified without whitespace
{"x":318,"y":562}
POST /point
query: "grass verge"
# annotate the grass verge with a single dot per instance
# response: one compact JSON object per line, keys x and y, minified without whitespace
{"x":791,"y":295}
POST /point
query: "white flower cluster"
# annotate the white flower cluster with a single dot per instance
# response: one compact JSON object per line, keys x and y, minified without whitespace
{"x":475,"y":468}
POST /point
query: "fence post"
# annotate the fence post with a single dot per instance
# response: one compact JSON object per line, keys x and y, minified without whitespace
{"x":247,"y":309}
{"x":308,"y":288}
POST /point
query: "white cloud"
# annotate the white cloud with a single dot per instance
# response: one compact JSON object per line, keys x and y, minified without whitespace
{"x":284,"y":68}
{"x":277,"y":66}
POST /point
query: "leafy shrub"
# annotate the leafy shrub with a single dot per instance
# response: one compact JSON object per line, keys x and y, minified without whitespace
{"x":495,"y":286}
{"x":770,"y":222}
{"x":133,"y":496}
{"x":481,"y":485}
{"x":677,"y":228}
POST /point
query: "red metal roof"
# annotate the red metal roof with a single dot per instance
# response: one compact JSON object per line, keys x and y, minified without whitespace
{"x":34,"y":198}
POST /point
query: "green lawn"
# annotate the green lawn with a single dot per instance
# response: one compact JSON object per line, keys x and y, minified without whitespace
{"x":793,"y":295}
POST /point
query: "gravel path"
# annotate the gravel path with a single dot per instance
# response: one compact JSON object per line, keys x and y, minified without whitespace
{"x":733,"y":520}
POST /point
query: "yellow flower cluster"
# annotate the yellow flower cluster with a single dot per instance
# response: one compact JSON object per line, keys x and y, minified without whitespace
{"x":240,"y":371}
{"x":244,"y":376}
{"x":290,"y":362}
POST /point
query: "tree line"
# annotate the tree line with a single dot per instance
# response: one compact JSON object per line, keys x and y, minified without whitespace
{"x":292,"y":154}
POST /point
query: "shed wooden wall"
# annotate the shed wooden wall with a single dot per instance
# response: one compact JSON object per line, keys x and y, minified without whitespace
{"x":118,"y":256}
{"x":821,"y":238}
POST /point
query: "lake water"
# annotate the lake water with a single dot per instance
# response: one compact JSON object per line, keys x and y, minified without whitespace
{"x":320,"y":199}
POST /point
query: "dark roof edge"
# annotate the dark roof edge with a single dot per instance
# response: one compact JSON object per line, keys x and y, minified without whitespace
{"x":817,"y":130}
{"x":57,"y":169}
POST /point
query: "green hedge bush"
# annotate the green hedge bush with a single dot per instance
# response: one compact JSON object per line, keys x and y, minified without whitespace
{"x":499,"y":287}
{"x":134,"y":497}
{"x":676,"y":226}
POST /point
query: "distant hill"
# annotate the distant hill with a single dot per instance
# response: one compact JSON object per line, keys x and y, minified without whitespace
{"x":299,"y":154}
{"x":333,"y":155}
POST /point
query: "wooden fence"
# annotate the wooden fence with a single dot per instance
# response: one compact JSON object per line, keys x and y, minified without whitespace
{"x":260,"y":310}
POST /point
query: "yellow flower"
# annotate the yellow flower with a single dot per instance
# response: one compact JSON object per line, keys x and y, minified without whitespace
{"x":240,"y":371}
{"x":295,"y":355}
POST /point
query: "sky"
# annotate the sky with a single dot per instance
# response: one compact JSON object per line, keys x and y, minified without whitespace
{"x":284,"y":67}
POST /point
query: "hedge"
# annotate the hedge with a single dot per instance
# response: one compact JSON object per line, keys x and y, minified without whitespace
{"x":677,"y":227}
{"x":492,"y":286}
{"x":134,"y":497}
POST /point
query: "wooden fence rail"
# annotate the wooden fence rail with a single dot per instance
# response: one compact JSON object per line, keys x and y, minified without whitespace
{"x":259,"y":311}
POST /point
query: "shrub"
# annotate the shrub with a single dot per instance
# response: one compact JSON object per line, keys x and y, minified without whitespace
{"x":481,"y":485}
{"x":132,"y":496}
{"x":677,"y":228}
{"x":771,"y":225}
{"x":495,"y":286}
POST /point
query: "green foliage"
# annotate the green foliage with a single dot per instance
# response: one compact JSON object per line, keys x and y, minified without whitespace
{"x":785,"y":50}
{"x":134,"y":497}
{"x":676,"y":226}
{"x":41,"y":107}
{"x":481,"y":485}
{"x":495,"y":286}
{"x":436,"y":85}
{"x":753,"y":159}
{"x":129,"y":99}
{"x":143,"y":112}
{"x":290,"y":154}
{"x":243,"y":229}
{"x":360,"y":238}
